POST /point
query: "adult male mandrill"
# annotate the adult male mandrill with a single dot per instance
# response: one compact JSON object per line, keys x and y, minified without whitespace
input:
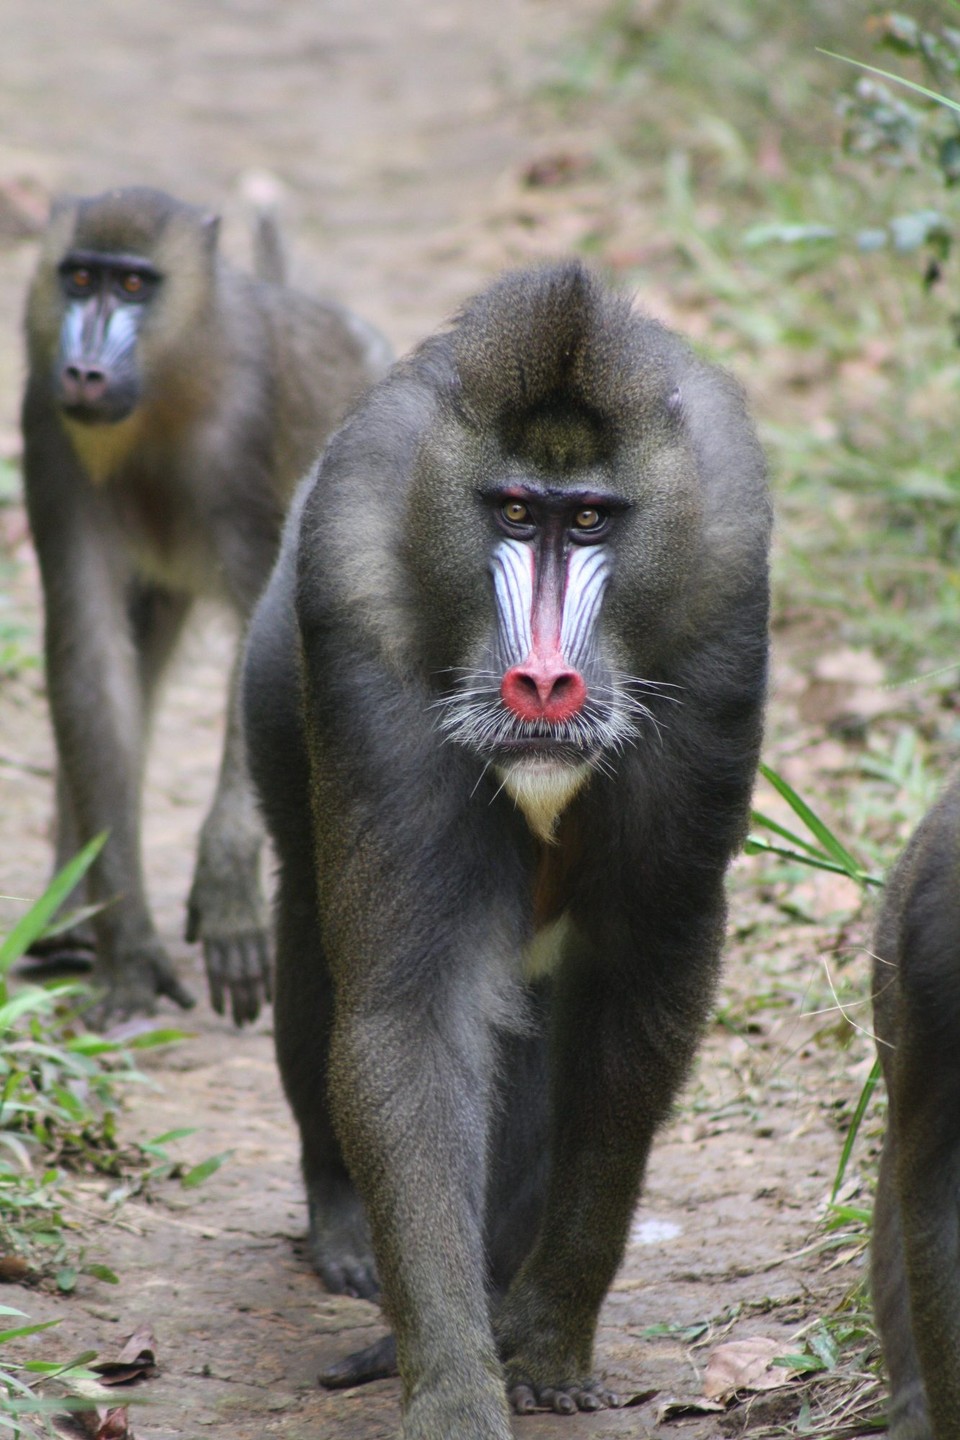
{"x":504,"y":698}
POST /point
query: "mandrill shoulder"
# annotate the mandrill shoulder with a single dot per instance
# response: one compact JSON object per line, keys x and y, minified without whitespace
{"x":352,"y":555}
{"x":737,"y":512}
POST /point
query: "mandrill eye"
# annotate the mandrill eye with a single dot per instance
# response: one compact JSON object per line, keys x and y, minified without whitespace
{"x":515,"y":512}
{"x":133,"y":285}
{"x":588,"y":518}
{"x":80,"y":279}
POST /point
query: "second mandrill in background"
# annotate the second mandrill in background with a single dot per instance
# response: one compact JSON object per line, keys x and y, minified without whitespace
{"x":171,"y":406}
{"x":504,"y":701}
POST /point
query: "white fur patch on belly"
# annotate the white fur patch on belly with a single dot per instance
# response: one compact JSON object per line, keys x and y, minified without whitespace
{"x":543,"y":953}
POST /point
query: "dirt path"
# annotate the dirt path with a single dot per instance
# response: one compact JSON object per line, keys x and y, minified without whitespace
{"x":402,"y":129}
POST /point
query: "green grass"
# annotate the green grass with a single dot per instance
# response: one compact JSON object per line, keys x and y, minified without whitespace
{"x":851,"y":362}
{"x":61,"y":1085}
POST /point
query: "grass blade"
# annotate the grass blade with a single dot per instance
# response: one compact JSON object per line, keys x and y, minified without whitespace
{"x":897,"y":79}
{"x":814,"y":824}
{"x":869,"y":1085}
{"x":38,"y":917}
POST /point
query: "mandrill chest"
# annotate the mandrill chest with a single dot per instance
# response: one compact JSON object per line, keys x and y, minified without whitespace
{"x":556,"y":865}
{"x":168,"y":539}
{"x":150,"y":499}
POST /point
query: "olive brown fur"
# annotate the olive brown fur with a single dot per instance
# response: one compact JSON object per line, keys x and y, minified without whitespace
{"x":172,"y":404}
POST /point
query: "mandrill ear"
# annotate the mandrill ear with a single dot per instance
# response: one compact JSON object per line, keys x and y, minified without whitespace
{"x":675,"y":404}
{"x":61,"y":226}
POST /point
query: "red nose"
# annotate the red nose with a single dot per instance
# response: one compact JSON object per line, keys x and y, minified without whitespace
{"x":543,"y":690}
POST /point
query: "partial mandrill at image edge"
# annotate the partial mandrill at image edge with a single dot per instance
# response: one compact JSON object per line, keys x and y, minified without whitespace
{"x":504,"y":698}
{"x":915,"y":1259}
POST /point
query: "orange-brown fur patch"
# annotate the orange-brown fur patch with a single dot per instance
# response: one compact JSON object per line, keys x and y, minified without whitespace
{"x":556,"y":864}
{"x":103,"y":449}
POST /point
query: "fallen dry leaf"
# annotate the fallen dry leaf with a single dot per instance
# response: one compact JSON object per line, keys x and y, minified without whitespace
{"x":556,"y":169}
{"x":637,"y":1397}
{"x":14,"y":1270}
{"x":677,"y":1409}
{"x":114,"y":1425}
{"x":136,"y":1361}
{"x":101,"y":1423}
{"x":745,"y":1365}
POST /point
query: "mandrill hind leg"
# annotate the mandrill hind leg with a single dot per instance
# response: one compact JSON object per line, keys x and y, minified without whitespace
{"x":340,"y":1246}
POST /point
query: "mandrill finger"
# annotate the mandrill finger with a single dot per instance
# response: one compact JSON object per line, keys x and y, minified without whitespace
{"x":213,"y":959}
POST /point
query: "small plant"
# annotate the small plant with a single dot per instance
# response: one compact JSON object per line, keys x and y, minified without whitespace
{"x":824,"y":850}
{"x":921,"y":129}
{"x":60,"y":1085}
{"x":903,"y":125}
{"x":839,"y":1348}
{"x":23,"y":1413}
{"x":59,"y":1088}
{"x":54,"y":1092}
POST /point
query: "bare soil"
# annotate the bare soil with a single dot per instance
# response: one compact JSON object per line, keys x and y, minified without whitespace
{"x":403,"y":131}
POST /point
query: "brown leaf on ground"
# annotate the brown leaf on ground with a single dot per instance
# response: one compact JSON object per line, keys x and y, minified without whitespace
{"x":14,"y":1270}
{"x":637,"y":1397}
{"x":99,"y":1423}
{"x":114,"y":1425}
{"x":136,"y":1361}
{"x":679,"y":1409}
{"x":557,"y":169}
{"x":745,"y":1365}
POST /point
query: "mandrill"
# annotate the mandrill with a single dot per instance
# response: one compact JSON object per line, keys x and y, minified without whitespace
{"x":172,"y":404}
{"x":504,"y":699}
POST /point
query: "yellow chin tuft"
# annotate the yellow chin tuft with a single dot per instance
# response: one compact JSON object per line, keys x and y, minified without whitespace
{"x":102,"y":449}
{"x":542,"y":789}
